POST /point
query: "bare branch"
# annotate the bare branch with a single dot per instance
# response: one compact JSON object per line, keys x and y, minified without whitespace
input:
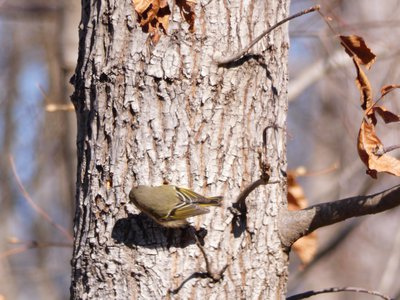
{"x":239,"y":208}
{"x":31,"y":245}
{"x":27,"y":9}
{"x":242,"y":52}
{"x":295,"y":224}
{"x":36,"y":207}
{"x":387,"y":149}
{"x":215,"y":277}
{"x":52,"y":107}
{"x":337,"y":290}
{"x":194,"y":275}
{"x":210,"y":273}
{"x":246,"y":192}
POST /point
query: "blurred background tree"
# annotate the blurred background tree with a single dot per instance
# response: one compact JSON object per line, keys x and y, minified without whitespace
{"x":37,"y":127}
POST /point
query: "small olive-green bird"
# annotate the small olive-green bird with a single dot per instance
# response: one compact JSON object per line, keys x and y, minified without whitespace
{"x":170,"y":205}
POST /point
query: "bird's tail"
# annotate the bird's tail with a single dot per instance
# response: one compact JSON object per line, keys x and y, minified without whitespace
{"x":211,"y":201}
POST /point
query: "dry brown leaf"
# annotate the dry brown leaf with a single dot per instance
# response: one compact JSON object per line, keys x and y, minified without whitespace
{"x":364,"y":86}
{"x":163,"y":14}
{"x":153,"y":17}
{"x":305,"y":247}
{"x":296,"y":197}
{"x":357,"y":49}
{"x":141,"y":5}
{"x":386,"y":115}
{"x":368,"y":146}
{"x":187,"y":10}
{"x":388,"y":88}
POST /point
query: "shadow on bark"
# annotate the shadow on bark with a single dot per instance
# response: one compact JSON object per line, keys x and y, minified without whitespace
{"x":139,"y":230}
{"x":239,"y":221}
{"x":245,"y":58}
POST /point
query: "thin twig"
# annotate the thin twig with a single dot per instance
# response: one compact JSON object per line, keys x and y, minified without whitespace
{"x":269,"y":30}
{"x":246,"y":192}
{"x":263,"y":180}
{"x":337,"y":290}
{"x":52,"y":107}
{"x":14,"y":251}
{"x":387,"y":149}
{"x":38,"y":244}
{"x":209,"y":272}
{"x":38,"y":209}
{"x":194,"y":275}
{"x":239,"y":208}
{"x":31,"y":245}
{"x":328,"y":170}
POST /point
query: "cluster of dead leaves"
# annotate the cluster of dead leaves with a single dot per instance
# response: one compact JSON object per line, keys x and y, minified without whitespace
{"x":370,"y":148}
{"x":305,"y":247}
{"x":153,"y":15}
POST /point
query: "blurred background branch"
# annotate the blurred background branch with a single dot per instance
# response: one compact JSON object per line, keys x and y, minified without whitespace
{"x":39,"y":49}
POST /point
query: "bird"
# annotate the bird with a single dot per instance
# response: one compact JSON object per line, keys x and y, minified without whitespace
{"x":169,"y":205}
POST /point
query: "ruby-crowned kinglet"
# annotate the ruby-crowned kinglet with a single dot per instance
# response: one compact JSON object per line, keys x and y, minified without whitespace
{"x":170,"y":205}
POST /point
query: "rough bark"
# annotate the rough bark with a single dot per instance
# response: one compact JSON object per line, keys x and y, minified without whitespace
{"x":148,"y":114}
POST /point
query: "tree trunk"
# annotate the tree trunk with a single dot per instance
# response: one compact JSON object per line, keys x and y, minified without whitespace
{"x":167,"y":113}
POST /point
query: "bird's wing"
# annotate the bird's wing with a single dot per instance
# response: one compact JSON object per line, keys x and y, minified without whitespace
{"x":188,"y":196}
{"x":185,"y":210}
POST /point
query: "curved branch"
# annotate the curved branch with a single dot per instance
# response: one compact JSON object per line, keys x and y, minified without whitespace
{"x":337,"y":290}
{"x":242,"y":52}
{"x":295,"y":224}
